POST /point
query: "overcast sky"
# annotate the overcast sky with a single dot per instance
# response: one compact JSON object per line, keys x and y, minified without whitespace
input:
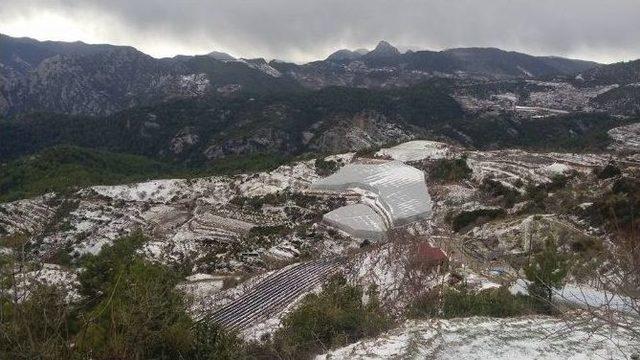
{"x":300,"y":30}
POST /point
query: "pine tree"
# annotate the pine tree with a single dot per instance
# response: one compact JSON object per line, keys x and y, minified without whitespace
{"x":546,"y":272}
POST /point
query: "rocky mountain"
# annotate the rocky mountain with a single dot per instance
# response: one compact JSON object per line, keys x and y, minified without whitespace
{"x":221,"y":56}
{"x":204,"y":131}
{"x":77,"y":78}
{"x":344,"y":55}
{"x":622,"y":73}
{"x":383,"y":50}
{"x":386,"y":66}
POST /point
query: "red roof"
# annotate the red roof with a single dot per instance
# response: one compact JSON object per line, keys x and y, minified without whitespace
{"x":430,"y":254}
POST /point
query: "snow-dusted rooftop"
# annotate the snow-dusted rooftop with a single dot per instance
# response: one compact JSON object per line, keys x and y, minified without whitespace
{"x":393,"y":190}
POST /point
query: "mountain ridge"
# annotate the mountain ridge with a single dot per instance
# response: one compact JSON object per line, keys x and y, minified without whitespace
{"x":100,"y":79}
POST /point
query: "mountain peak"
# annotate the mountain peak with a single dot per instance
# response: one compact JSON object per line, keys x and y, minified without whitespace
{"x":222,"y":56}
{"x":384,"y":49}
{"x":344,"y":54}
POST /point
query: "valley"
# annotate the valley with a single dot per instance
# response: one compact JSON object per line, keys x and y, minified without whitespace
{"x":469,"y":202}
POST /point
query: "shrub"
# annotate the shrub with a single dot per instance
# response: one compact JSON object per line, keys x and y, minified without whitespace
{"x":496,"y":189}
{"x":618,"y":208}
{"x":211,"y":342}
{"x":475,"y":217}
{"x":368,"y":152}
{"x":326,"y":167}
{"x":14,"y":241}
{"x":268,"y":230}
{"x":100,"y":270}
{"x":450,"y":170}
{"x":333,"y":318}
{"x":609,"y":171}
{"x":452,"y":303}
{"x":140,"y":316}
{"x":130,"y":310}
{"x":558,"y":181}
{"x":36,"y":328}
{"x":546,"y":272}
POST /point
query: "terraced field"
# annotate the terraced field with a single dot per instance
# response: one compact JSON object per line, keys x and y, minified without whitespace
{"x":273,"y":294}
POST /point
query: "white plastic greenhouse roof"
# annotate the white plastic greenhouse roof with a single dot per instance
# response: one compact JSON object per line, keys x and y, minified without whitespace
{"x":401,"y":189}
{"x":358,"y":220}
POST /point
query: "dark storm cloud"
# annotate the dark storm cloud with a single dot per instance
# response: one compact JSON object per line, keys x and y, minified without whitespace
{"x":302,"y":30}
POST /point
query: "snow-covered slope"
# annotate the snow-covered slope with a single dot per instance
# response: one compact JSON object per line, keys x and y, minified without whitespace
{"x":535,"y":337}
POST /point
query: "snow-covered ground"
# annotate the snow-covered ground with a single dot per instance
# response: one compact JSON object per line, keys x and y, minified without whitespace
{"x":416,"y":150}
{"x":587,"y":297}
{"x":535,"y":337}
{"x":626,"y":138}
{"x":48,"y":275}
{"x":186,"y":218}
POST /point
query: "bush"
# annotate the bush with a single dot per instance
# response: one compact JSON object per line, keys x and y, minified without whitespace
{"x":607,"y":172}
{"x":333,"y":318}
{"x":546,"y":272}
{"x":213,"y":343}
{"x":619,"y":208}
{"x":496,"y":189}
{"x":100,"y":270}
{"x":258,"y":231}
{"x":450,"y":170}
{"x":368,"y":152}
{"x":537,"y":194}
{"x":475,"y":217}
{"x":37,"y":328}
{"x":452,"y":303}
{"x":326,"y":167}
{"x":130,"y":310}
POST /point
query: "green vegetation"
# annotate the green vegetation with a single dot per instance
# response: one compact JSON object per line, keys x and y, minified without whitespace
{"x":60,"y":168}
{"x":452,"y":303}
{"x":36,"y":328}
{"x":608,"y":171}
{"x":505,"y":195}
{"x":546,"y":272}
{"x":258,"y":231}
{"x":579,"y":132}
{"x":235,"y":164}
{"x":130,"y":310}
{"x":229,"y":123}
{"x":476,"y":217}
{"x":14,"y":241}
{"x":333,"y":318}
{"x":326,"y":167}
{"x":450,"y":170}
{"x":619,"y":209}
